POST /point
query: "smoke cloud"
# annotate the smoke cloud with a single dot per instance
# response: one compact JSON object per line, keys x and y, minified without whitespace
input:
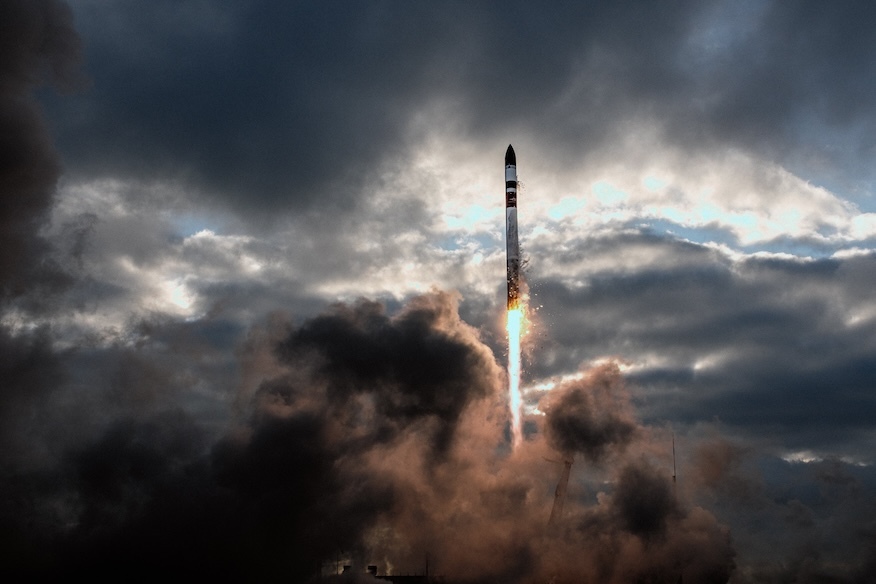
{"x":371,"y":438}
{"x":592,"y":416}
{"x":421,"y":368}
{"x":38,"y":46}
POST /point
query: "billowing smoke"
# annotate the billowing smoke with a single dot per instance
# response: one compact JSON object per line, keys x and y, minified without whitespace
{"x":639,"y":532}
{"x":38,"y":46}
{"x":635,"y":528}
{"x":592,"y":416}
{"x":717,"y":469}
{"x":382,"y":375}
{"x":371,"y":438}
{"x":644,"y":500}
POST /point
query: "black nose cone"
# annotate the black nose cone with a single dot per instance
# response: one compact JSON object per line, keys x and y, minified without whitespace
{"x":510,"y":157}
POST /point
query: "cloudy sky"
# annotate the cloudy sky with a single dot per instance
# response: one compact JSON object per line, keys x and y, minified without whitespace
{"x":253,"y":287}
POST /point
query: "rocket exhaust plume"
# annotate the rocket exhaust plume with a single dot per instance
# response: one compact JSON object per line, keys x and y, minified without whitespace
{"x":515,"y":306}
{"x":515,"y":326}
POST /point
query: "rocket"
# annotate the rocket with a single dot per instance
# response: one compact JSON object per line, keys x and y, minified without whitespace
{"x":512,"y":244}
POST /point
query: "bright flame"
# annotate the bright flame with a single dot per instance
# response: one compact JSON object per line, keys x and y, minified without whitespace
{"x":515,"y":330}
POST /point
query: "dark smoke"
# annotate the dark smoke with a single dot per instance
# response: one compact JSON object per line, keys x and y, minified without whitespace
{"x":592,"y":416}
{"x":421,"y":366}
{"x":645,"y":501}
{"x":29,"y":370}
{"x":718,"y":469}
{"x":38,"y":46}
{"x":372,"y":438}
{"x":640,"y":532}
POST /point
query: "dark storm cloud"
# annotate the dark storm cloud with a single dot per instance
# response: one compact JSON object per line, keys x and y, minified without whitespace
{"x":777,"y":344}
{"x":284,"y":102}
{"x":799,"y":59}
{"x":790,"y":521}
{"x":778,"y":350}
{"x":270,"y":103}
{"x":277,"y":104}
{"x":38,"y":46}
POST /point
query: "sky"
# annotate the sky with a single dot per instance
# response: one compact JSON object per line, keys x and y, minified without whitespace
{"x":252,"y":289}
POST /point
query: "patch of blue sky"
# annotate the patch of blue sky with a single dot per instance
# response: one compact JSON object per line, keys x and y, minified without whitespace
{"x":566,"y":207}
{"x":654,"y":184}
{"x":475,"y":217}
{"x":839,"y":159}
{"x":715,"y":234}
{"x":608,"y":194}
{"x":475,"y":241}
{"x":720,"y":27}
{"x":795,"y":247}
{"x":707,"y":234}
{"x":788,"y":471}
{"x":859,"y":190}
{"x":188,"y":224}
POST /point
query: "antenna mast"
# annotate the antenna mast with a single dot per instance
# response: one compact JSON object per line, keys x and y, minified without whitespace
{"x":560,"y":493}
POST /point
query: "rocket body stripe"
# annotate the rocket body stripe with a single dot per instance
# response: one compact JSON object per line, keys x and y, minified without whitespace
{"x":511,"y":239}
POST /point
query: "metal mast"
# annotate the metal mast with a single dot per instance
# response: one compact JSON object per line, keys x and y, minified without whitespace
{"x":560,"y":494}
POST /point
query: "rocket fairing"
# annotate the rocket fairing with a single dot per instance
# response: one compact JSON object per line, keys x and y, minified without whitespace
{"x":512,"y":244}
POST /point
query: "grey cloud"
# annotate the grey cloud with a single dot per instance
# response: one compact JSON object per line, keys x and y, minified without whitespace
{"x":762,"y":343}
{"x":809,"y":522}
{"x":282,"y":105}
{"x":278,"y":106}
